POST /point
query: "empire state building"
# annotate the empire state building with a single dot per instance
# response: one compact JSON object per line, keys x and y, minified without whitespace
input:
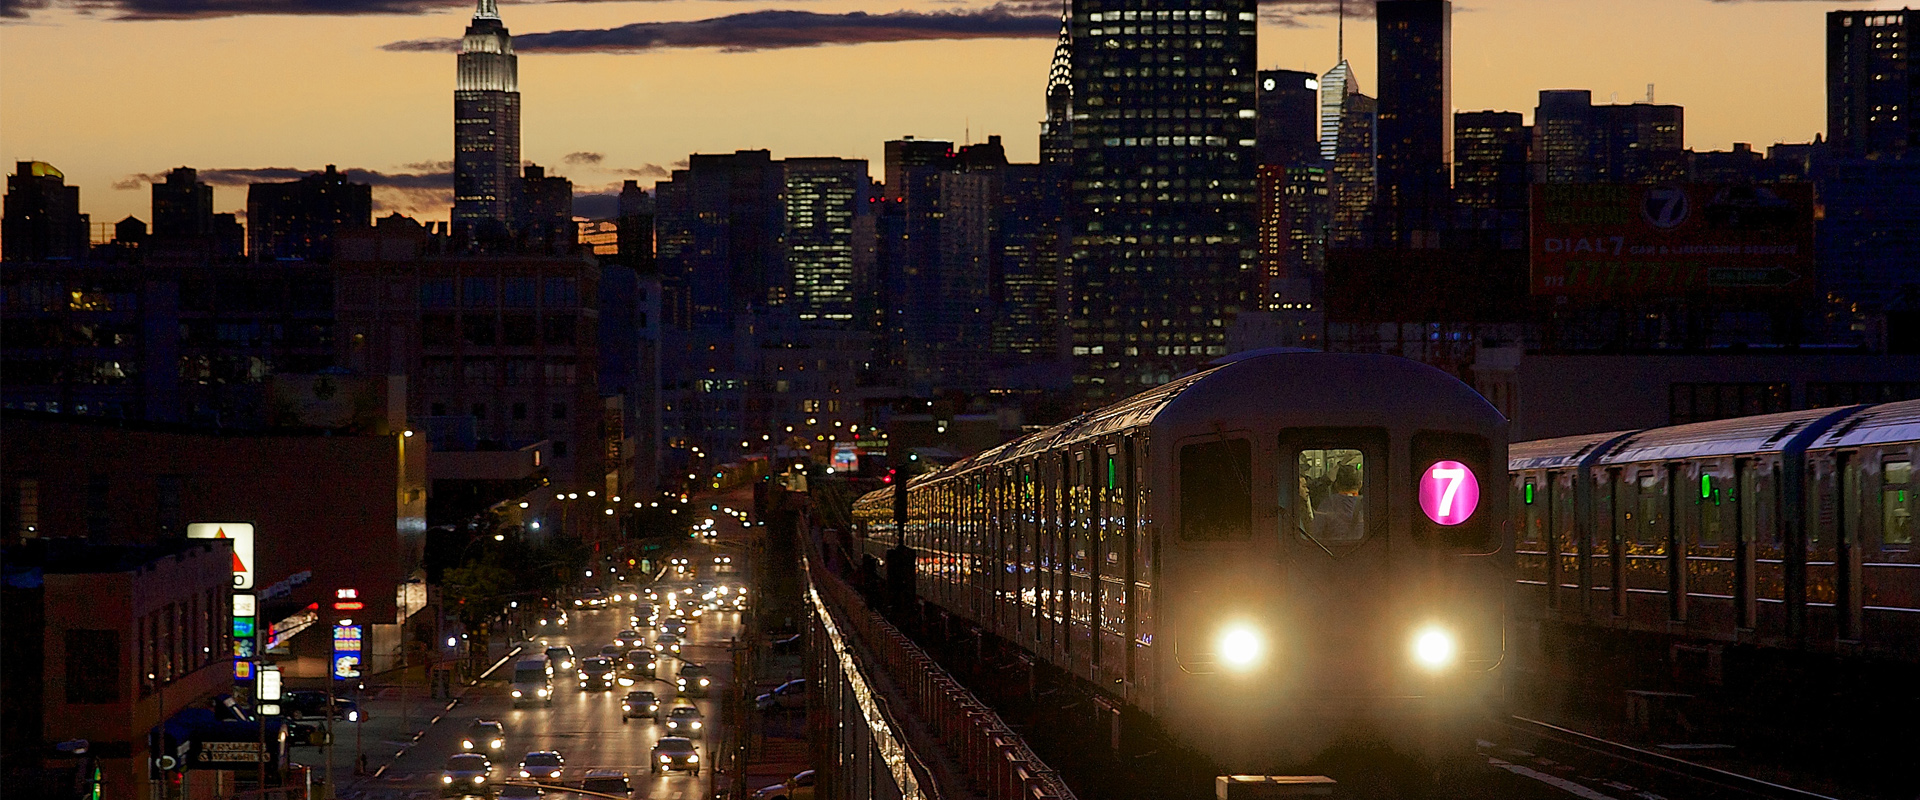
{"x":486,"y":125}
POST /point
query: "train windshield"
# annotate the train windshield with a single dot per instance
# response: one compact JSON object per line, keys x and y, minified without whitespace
{"x":1331,"y":507}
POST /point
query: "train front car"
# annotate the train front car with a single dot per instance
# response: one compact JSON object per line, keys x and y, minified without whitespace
{"x":1333,"y":563}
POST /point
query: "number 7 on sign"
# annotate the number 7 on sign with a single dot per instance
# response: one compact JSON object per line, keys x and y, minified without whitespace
{"x":1452,"y":478}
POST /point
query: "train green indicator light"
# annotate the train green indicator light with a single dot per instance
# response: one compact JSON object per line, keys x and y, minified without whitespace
{"x":1706,"y":486}
{"x":1529,"y":493}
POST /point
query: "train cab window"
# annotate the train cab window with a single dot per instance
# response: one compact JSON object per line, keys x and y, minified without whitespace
{"x":1896,"y":503}
{"x":1216,"y":491}
{"x":1331,"y":506}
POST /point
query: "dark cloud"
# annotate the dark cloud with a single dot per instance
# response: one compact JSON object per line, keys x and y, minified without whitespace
{"x":770,"y":30}
{"x":644,"y":171}
{"x":1288,"y":13}
{"x":244,"y":176}
{"x":584,"y":157}
{"x":205,"y":9}
{"x":17,"y":9}
{"x":429,"y":166}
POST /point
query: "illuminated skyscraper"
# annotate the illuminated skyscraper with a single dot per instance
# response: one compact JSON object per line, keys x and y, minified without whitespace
{"x":486,"y":126}
{"x":823,"y":196}
{"x":1161,"y":207}
{"x":1056,"y":134}
{"x":1872,"y":85}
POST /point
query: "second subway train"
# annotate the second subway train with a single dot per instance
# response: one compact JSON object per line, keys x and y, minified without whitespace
{"x":1275,"y":558}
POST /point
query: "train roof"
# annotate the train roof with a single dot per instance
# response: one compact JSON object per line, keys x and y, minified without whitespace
{"x":1560,"y":453}
{"x":1887,"y":422}
{"x":1766,"y":433}
{"x":1393,"y":386}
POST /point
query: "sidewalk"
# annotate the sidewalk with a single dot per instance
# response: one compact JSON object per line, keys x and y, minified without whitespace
{"x":397,"y":708}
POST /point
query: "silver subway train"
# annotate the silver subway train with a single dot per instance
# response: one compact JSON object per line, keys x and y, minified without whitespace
{"x":1789,"y":530}
{"x":1274,"y":558}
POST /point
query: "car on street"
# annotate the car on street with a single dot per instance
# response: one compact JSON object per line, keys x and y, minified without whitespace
{"x":607,"y":781}
{"x":552,"y":620}
{"x":792,"y":694}
{"x":300,"y":704}
{"x":628,"y":638}
{"x":667,"y":642}
{"x":640,"y":704}
{"x":798,"y":787}
{"x":543,"y":766}
{"x":591,"y":597}
{"x":596,"y":673}
{"x":466,"y":773}
{"x":612,"y":651}
{"x":674,"y":625}
{"x":694,"y":680}
{"x":484,"y":736}
{"x":560,"y":656}
{"x":675,"y":752}
{"x":638,"y":663}
{"x":686,"y":721}
{"x":532,"y":682}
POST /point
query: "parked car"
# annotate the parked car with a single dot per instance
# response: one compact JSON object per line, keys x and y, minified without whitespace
{"x":798,"y":787}
{"x":466,"y":773}
{"x":640,"y":704}
{"x":300,"y":704}
{"x":675,"y":752}
{"x":792,"y":694}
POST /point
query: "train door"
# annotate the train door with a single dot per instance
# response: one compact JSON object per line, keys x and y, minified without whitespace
{"x":1743,"y":543}
{"x":1146,"y":559}
{"x":1821,"y":493}
{"x":1675,"y":542}
{"x":1531,"y":548}
{"x":1024,"y":593}
{"x":1048,"y":560}
{"x":1769,"y":551}
{"x":1610,"y":533}
{"x":1080,"y":561}
{"x":1890,"y":596}
{"x":1846,"y":571}
{"x":1116,"y":552}
{"x":1709,"y":562}
{"x":1569,"y":548}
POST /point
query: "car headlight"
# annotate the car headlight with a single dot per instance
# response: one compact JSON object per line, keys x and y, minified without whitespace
{"x":525,"y":774}
{"x":516,"y":693}
{"x":554,"y":774}
{"x":543,"y":622}
{"x":625,"y":707}
{"x":1240,"y":646}
{"x":566,"y":665}
{"x":446,"y":779}
{"x":499,"y":743}
{"x":626,"y":681}
{"x":353,"y":716}
{"x":541,"y":692}
{"x":1434,"y":648}
{"x":703,"y":681}
{"x":696,"y":726}
{"x":666,"y":759}
{"x":466,"y":744}
{"x":479,"y":779}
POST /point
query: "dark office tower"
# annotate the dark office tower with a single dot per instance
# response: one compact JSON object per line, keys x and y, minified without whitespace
{"x":1355,"y":180}
{"x":824,"y":195}
{"x":1640,"y":143}
{"x":1564,"y":137}
{"x":42,"y":216}
{"x":1056,"y":134}
{"x":1416,"y":120}
{"x":300,"y":219}
{"x":719,"y":223}
{"x":1032,"y":218}
{"x":1288,"y":106}
{"x":1490,"y":159}
{"x":182,"y":206}
{"x":544,"y":212}
{"x":1872,"y":84}
{"x":634,"y":231}
{"x":486,"y":127}
{"x":1161,"y":207}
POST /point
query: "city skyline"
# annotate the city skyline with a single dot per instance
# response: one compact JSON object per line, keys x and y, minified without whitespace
{"x":360,"y":68}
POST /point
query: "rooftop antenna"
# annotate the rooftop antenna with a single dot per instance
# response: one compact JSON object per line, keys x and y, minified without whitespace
{"x":1649,"y":93}
{"x":1340,"y":49}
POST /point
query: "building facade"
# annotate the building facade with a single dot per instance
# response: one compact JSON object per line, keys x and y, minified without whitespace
{"x":41,"y":218}
{"x":1161,"y":206}
{"x":823,"y":197}
{"x":1416,"y":120}
{"x":1872,"y":83}
{"x":302,"y":218}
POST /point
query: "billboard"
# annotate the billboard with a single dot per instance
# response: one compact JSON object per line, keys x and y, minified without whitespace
{"x":241,"y":533}
{"x":1605,"y":241}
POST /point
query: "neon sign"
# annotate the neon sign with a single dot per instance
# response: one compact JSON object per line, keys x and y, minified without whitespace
{"x":1449,"y":492}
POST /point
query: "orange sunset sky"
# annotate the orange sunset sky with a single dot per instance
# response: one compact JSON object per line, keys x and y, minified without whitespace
{"x":111,"y":90}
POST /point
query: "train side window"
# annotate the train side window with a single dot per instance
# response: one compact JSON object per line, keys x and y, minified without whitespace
{"x":1646,"y":529}
{"x":1896,"y":502}
{"x":1216,"y":491}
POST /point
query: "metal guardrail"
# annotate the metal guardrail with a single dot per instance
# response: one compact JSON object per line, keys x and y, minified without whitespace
{"x":994,"y":760}
{"x":1700,"y":772}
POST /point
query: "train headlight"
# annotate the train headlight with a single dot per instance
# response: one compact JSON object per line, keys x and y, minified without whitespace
{"x":1240,"y":647}
{"x":1434,"y":648}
